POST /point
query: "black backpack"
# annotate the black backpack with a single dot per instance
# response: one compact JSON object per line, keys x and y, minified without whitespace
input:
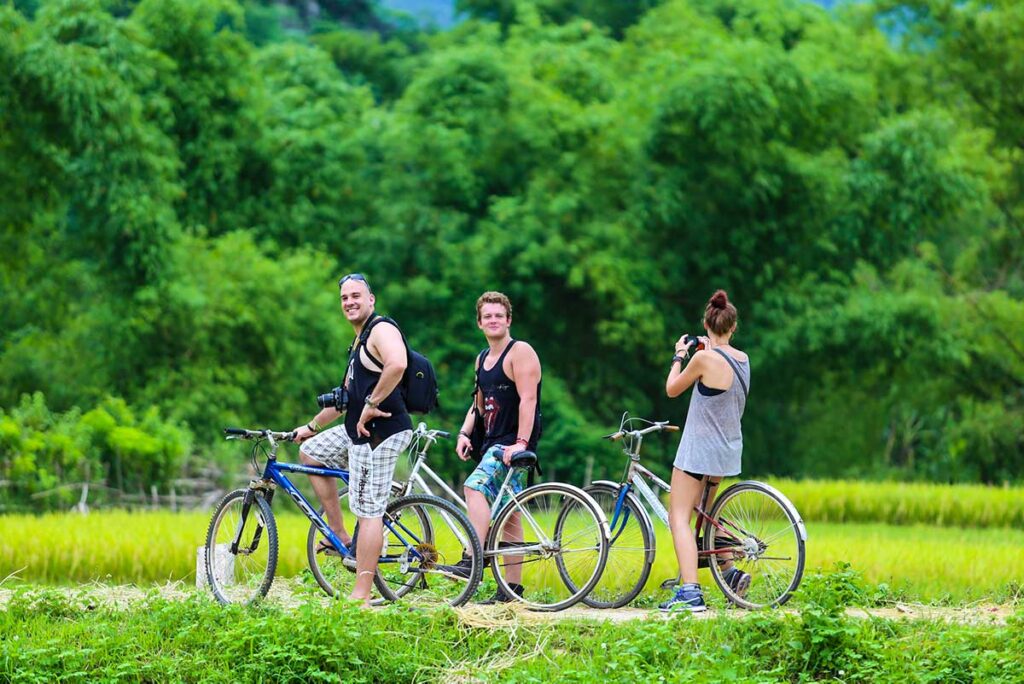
{"x":419,"y":383}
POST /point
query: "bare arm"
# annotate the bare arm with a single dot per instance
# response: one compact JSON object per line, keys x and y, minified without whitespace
{"x":319,"y":422}
{"x":387,"y":345}
{"x":463,"y":444}
{"x":680,"y":379}
{"x":526,"y":374}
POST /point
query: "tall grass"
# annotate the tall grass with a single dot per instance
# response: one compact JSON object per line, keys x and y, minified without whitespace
{"x":913,"y":563}
{"x":905,"y":503}
{"x":916,"y":562}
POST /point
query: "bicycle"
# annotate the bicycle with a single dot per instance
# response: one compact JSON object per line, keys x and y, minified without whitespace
{"x":553,"y":534}
{"x":751,"y":525}
{"x":242,"y":539}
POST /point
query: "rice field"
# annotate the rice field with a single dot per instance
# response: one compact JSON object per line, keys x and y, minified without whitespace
{"x":925,"y":563}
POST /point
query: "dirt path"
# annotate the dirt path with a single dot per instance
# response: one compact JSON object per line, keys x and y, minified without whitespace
{"x":92,"y":596}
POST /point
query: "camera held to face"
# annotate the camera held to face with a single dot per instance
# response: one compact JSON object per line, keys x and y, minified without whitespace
{"x":336,"y":398}
{"x":693,"y":344}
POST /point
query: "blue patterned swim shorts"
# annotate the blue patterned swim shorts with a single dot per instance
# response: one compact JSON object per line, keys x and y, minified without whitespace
{"x":490,"y":474}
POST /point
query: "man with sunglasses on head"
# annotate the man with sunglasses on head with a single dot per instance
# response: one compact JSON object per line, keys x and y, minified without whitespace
{"x":376,"y":430}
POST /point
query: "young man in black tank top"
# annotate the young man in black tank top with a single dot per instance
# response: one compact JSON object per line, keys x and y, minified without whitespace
{"x":377,"y":429}
{"x":507,"y":400}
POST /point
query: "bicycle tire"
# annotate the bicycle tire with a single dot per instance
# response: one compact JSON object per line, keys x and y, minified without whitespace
{"x":764,"y":536}
{"x":331,"y":572}
{"x":219,"y":537}
{"x":428,"y":545}
{"x":576,"y":520}
{"x":631,"y":550}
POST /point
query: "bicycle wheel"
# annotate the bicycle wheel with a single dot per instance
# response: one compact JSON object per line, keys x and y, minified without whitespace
{"x":757,"y":530}
{"x":631,"y":548}
{"x":425,"y":537}
{"x":243,"y":574}
{"x":334,"y":572}
{"x":551,"y":539}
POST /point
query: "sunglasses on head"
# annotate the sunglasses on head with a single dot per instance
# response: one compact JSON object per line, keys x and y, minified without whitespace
{"x":354,"y":276}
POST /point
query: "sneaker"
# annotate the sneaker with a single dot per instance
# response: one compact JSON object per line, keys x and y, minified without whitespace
{"x":501,"y":597}
{"x":688,"y":597}
{"x":461,"y":569}
{"x":738,"y":581}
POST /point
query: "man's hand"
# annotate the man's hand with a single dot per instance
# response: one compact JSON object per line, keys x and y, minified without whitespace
{"x":511,"y":451}
{"x":366,"y":416}
{"x":302,"y":433}
{"x":463,"y":447}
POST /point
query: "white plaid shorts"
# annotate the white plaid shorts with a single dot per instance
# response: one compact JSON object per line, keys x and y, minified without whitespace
{"x":370,"y":470}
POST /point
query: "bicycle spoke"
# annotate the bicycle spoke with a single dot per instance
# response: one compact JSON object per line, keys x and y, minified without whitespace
{"x":767,"y":529}
{"x":550,"y":542}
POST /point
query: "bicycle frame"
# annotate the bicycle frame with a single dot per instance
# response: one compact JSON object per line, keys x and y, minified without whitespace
{"x":420,"y":464}
{"x":274,"y":476}
{"x":636,"y":478}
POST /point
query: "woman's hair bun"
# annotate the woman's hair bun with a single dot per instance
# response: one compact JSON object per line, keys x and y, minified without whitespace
{"x":719,"y":299}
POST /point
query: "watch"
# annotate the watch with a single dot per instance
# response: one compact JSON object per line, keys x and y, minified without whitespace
{"x":678,"y":358}
{"x":369,"y":402}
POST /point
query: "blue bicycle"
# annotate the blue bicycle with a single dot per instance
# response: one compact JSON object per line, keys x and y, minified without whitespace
{"x":424,"y":538}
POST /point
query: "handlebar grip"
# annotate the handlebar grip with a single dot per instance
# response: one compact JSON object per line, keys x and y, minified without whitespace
{"x":235,"y":431}
{"x":672,"y":428}
{"x":615,"y":436}
{"x":442,"y":433}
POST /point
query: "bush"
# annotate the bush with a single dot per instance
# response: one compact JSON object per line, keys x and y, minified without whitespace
{"x":45,"y":456}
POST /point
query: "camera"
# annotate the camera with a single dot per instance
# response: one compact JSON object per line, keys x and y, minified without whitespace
{"x":337,"y":398}
{"x":693,"y":343}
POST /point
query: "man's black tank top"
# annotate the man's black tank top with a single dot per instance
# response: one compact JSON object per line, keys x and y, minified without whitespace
{"x":501,"y":405}
{"x":360,"y":382}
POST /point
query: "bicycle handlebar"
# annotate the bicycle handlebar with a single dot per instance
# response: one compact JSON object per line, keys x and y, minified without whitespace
{"x":242,"y":433}
{"x":422,"y":431}
{"x":657,"y":427}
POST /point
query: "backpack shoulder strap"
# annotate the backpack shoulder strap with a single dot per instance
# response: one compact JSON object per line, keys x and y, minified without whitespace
{"x":368,"y":328}
{"x":476,"y":372}
{"x":736,"y":370}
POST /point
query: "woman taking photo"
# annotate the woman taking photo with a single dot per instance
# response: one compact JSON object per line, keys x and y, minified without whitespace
{"x":712,"y":442}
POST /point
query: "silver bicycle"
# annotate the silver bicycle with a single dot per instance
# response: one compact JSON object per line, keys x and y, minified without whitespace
{"x":751,"y":526}
{"x":551,"y":538}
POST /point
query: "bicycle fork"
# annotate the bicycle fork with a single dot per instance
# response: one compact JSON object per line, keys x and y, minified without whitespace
{"x":247,"y":502}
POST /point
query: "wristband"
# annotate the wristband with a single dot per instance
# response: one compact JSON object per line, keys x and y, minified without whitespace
{"x":678,"y":358}
{"x":371,"y":403}
{"x":524,"y":442}
{"x":313,"y":426}
{"x":463,"y":433}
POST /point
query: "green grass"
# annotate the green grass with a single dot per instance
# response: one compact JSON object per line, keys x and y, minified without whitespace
{"x":905,"y":503}
{"x":46,"y":636}
{"x":917,"y":563}
{"x":914,"y":563}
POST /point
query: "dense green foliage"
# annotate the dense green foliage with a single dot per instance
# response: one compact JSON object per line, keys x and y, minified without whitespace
{"x":49,"y":451}
{"x":184,"y":183}
{"x":47,"y":634}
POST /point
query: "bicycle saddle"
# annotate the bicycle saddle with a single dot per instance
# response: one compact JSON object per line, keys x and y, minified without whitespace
{"x":523,"y":459}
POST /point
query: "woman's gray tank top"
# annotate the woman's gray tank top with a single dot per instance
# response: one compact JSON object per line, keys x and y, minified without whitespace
{"x":712,"y":441}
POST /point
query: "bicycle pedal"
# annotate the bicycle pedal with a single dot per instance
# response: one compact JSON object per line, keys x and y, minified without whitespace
{"x":670,"y":583}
